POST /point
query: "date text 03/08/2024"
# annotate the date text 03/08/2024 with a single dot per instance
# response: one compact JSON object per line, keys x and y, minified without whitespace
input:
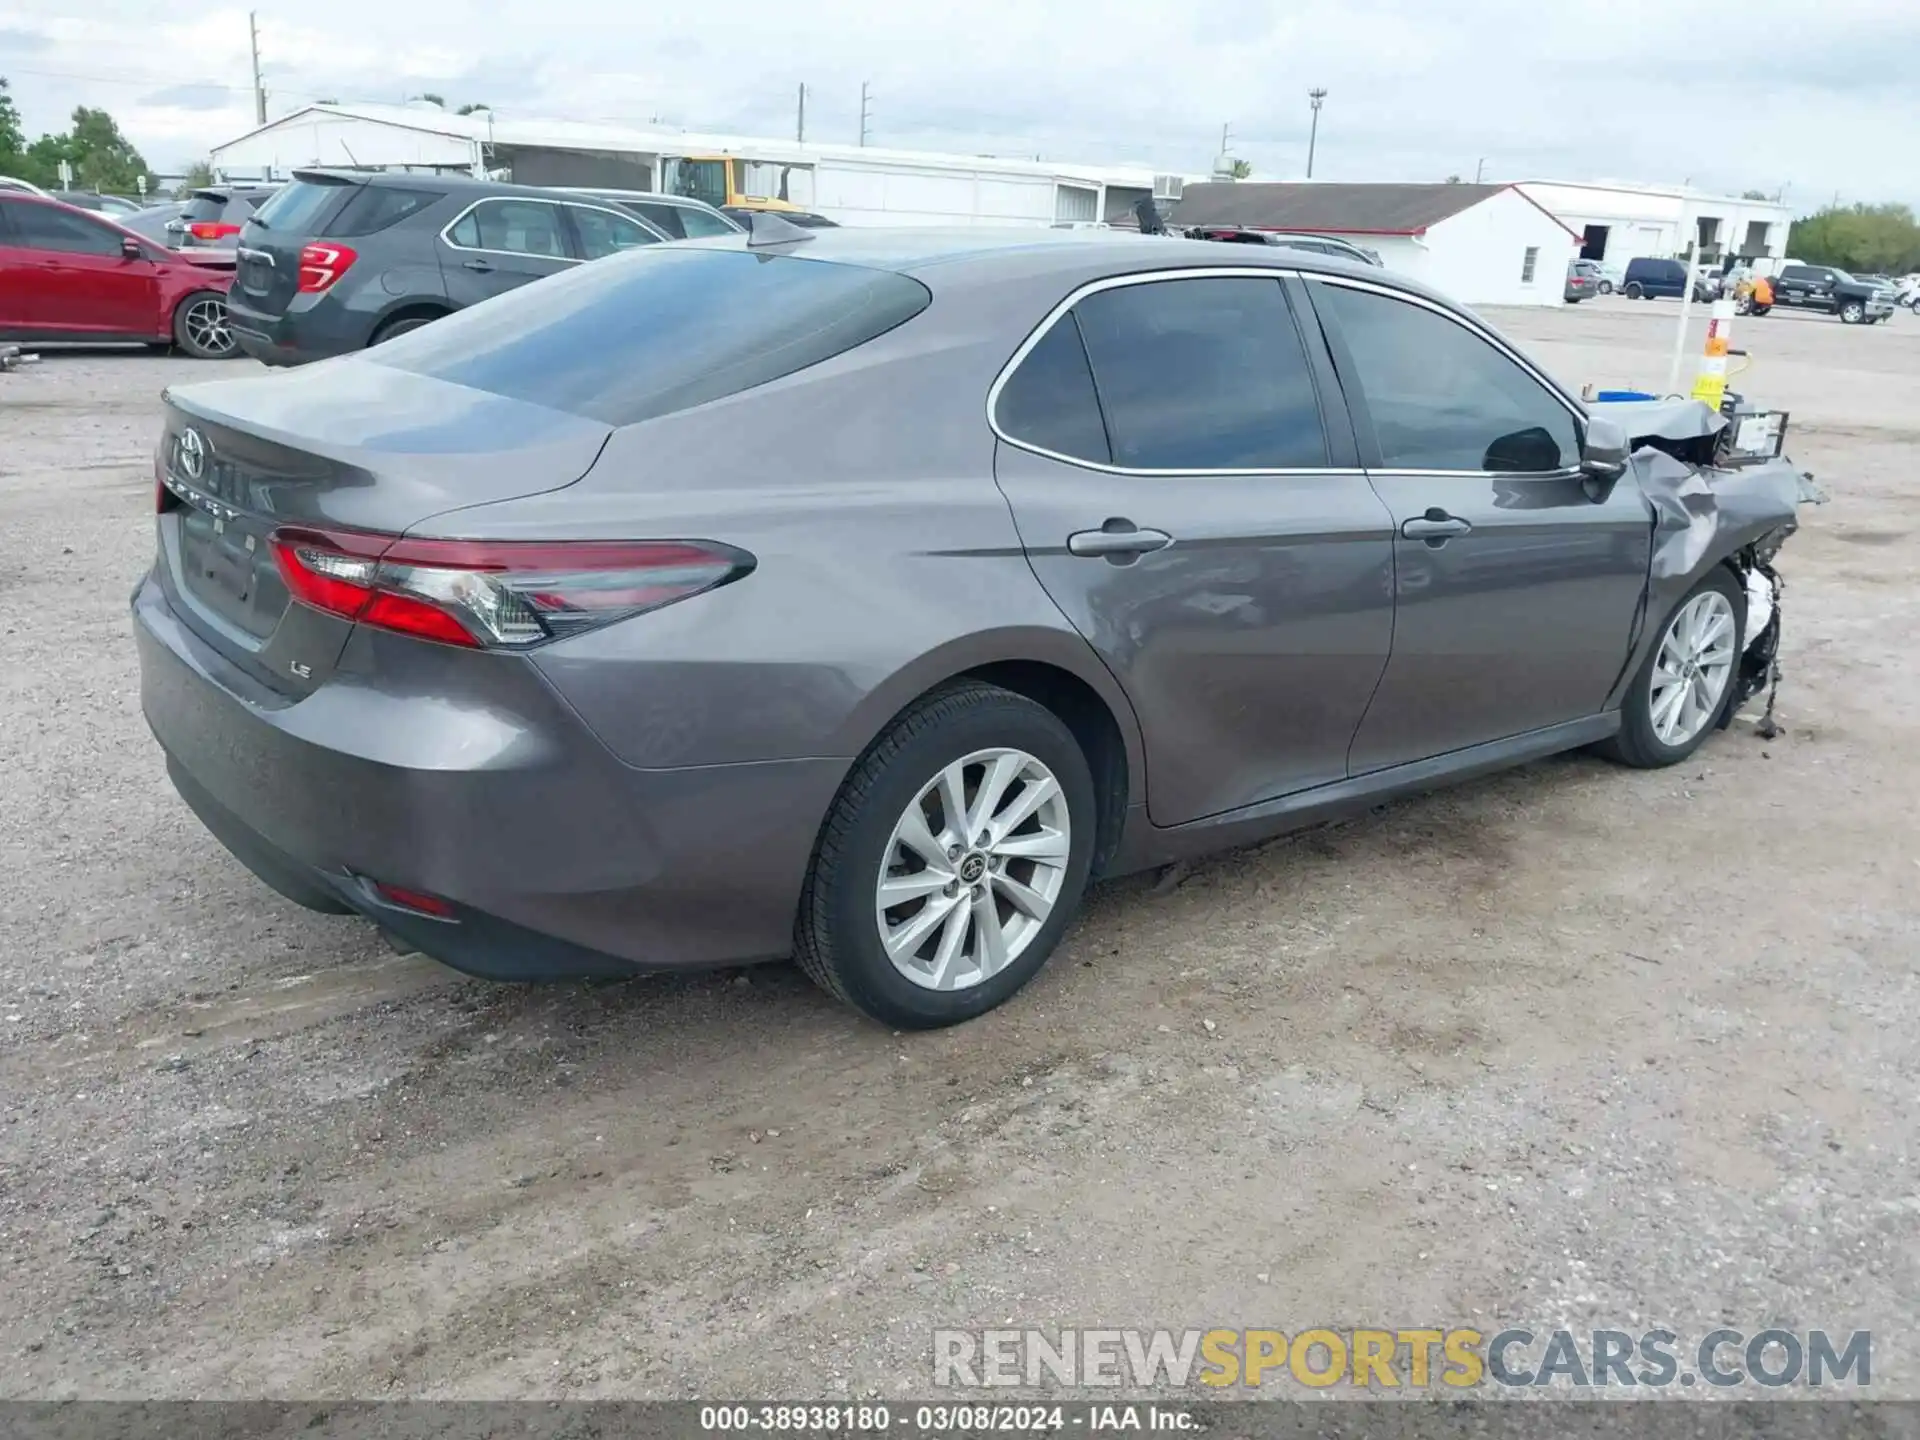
{"x":940,"y":1419}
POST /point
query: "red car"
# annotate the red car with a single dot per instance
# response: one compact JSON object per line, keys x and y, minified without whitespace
{"x":69,"y":274}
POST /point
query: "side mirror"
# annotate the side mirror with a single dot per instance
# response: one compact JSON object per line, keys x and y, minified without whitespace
{"x":131,"y":248}
{"x":1603,"y":455}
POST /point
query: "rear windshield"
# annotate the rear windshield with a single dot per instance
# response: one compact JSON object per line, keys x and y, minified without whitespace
{"x":647,"y":332}
{"x":205,"y":206}
{"x":294,"y":207}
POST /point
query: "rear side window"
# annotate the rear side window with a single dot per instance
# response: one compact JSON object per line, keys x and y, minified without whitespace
{"x":602,"y":232}
{"x":1202,"y":375}
{"x":296,"y":208}
{"x":514,"y":227}
{"x":374,"y":207}
{"x":658,"y":330}
{"x":1049,"y":402}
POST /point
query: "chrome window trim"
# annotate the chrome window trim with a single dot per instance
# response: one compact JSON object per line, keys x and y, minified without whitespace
{"x":1115,"y":282}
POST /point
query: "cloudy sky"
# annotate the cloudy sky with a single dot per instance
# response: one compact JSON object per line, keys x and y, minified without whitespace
{"x":1818,"y":98}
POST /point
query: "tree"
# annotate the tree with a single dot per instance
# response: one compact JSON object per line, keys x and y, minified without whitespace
{"x":433,"y":99}
{"x":16,"y":156}
{"x":100,"y":156}
{"x":199,"y":175}
{"x":1241,"y":169}
{"x":1453,"y":179}
{"x":1755,"y":195}
{"x":478,"y":105}
{"x":1873,"y":239}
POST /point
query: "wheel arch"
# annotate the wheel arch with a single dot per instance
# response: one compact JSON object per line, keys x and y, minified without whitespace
{"x":1051,"y":668}
{"x":410,"y":308}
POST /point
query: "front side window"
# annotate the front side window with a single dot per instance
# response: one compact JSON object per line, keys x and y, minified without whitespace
{"x":516,"y":227}
{"x":703,"y":180}
{"x":1205,"y":374}
{"x":1443,"y":398}
{"x":666,"y":217}
{"x":698,"y":224}
{"x":41,"y":227}
{"x":604,"y":233}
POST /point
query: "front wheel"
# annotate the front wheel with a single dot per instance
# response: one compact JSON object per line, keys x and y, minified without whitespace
{"x":1852,"y":313}
{"x":1682,"y":689}
{"x":1606,"y":287}
{"x":952,"y":859}
{"x":200,"y":327}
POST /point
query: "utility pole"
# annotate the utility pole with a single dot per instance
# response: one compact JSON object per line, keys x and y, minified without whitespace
{"x":866,"y":109}
{"x":259,"y":95}
{"x":800,"y":120}
{"x":1314,"y":97}
{"x":1479,"y":169}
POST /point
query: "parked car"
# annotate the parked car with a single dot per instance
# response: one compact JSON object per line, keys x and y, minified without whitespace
{"x":114,"y":207}
{"x":338,"y":261}
{"x":213,"y":216}
{"x":69,"y":274}
{"x":1610,"y":275}
{"x":1822,"y":287}
{"x":1583,"y":281}
{"x":711,"y":603}
{"x":675,"y":217}
{"x":1312,"y":244}
{"x":1647,"y":278}
{"x":151,"y":223}
{"x":9,"y":182}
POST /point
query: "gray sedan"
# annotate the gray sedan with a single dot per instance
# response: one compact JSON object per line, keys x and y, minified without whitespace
{"x":861,"y":597}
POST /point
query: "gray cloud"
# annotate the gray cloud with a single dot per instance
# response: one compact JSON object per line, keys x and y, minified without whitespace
{"x":190,"y":97}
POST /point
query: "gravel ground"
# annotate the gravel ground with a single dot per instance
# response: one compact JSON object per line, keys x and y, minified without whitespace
{"x":1574,"y":1045}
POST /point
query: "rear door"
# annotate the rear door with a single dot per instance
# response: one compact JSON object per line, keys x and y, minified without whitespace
{"x":85,"y":281}
{"x":499,"y":244}
{"x":1795,"y":285}
{"x":1189,"y":498}
{"x":1516,"y":591}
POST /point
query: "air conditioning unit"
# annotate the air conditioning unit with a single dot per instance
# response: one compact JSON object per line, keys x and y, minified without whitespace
{"x":1168,"y":187}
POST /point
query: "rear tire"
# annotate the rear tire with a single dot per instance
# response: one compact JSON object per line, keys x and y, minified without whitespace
{"x":200,"y":327}
{"x":1664,"y":728}
{"x":974,"y":733}
{"x":1634,"y":290}
{"x":401,"y":326}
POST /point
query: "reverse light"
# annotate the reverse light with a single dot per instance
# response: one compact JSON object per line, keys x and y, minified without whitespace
{"x":504,"y":595}
{"x":322,"y":264}
{"x":211,"y":230}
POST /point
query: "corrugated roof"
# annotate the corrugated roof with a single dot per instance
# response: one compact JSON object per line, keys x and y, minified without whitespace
{"x":1327,"y":209}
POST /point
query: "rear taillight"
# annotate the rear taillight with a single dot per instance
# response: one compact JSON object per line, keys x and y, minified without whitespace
{"x":487,"y":594}
{"x":211,"y":230}
{"x":322,"y":264}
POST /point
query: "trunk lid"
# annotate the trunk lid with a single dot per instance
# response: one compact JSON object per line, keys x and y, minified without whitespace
{"x":344,"y":445}
{"x":268,"y":273}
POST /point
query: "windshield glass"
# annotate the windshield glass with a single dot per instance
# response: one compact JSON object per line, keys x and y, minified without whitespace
{"x":697,"y":180}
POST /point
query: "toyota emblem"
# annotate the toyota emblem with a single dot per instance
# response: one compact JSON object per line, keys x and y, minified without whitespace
{"x":192,"y":453}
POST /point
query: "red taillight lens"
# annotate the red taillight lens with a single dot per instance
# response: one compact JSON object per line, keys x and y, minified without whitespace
{"x":413,"y":900}
{"x":211,"y":230}
{"x":508,"y":594}
{"x":322,"y":264}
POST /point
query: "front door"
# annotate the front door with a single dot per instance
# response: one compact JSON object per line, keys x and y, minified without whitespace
{"x":82,"y":281}
{"x":1185,"y":501}
{"x":1517,"y":591}
{"x":499,"y":245}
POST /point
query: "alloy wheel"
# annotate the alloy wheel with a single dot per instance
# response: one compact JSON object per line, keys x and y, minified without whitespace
{"x":206,"y":326}
{"x":973,"y":869}
{"x":1692,"y":668}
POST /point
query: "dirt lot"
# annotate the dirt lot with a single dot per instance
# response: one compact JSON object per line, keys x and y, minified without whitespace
{"x":1574,"y":1045}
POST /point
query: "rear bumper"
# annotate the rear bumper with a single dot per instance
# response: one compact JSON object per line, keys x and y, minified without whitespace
{"x":558,"y":861}
{"x":294,"y":338}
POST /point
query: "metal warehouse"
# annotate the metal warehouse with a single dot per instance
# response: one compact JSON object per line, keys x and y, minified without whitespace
{"x":854,"y":185}
{"x":1619,"y":222}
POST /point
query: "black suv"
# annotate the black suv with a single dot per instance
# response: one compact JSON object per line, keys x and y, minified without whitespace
{"x":1821,"y":287}
{"x":338,"y":261}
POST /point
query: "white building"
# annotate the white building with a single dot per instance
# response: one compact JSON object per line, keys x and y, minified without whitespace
{"x":1481,"y":244}
{"x":1620,"y":222}
{"x":855,"y":185}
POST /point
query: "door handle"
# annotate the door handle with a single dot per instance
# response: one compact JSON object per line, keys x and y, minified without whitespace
{"x":1435,"y":527}
{"x":482,"y":266}
{"x":1118,"y":539}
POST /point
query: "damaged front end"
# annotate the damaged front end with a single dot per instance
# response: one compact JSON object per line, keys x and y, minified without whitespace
{"x":1717,"y":497}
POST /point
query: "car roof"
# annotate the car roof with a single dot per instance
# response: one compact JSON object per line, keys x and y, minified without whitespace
{"x":419,"y":180}
{"x":947,"y":258}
